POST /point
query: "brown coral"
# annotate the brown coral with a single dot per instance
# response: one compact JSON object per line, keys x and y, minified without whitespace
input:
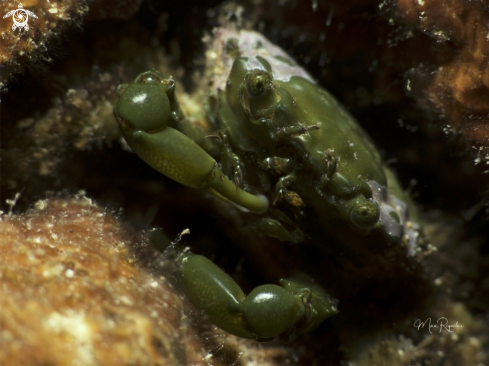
{"x":459,"y":88}
{"x":70,"y":294}
{"x":23,"y":48}
{"x":19,"y":48}
{"x":84,"y":116}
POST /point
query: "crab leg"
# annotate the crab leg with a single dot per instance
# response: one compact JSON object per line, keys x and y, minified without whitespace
{"x":145,"y":111}
{"x":295,"y":307}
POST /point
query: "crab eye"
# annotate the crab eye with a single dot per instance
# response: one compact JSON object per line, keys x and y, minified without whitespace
{"x":258,"y":95}
{"x":258,"y":82}
{"x":149,"y":79}
{"x":365,"y":215}
{"x":153,"y":76}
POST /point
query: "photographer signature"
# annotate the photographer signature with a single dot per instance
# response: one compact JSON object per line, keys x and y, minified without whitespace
{"x":441,"y":323}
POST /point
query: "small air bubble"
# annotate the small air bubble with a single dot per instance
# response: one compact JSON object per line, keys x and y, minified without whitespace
{"x":314,"y":5}
{"x":361,"y":92}
{"x":330,"y":17}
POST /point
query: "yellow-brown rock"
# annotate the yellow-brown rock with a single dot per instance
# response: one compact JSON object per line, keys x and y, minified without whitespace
{"x":460,"y":87}
{"x":70,"y":294}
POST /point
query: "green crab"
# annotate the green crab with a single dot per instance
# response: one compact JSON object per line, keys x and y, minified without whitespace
{"x":280,"y":138}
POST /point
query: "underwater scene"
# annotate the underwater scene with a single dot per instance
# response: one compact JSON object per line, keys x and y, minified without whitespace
{"x":247,"y":182}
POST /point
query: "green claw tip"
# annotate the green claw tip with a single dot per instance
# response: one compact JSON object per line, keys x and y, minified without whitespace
{"x":319,"y":304}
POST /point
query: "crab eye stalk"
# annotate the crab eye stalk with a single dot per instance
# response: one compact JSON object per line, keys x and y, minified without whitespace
{"x":258,"y":95}
{"x":365,"y":215}
{"x":258,"y":83}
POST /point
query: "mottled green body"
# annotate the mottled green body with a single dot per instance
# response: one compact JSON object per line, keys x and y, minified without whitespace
{"x":333,"y":165}
{"x":280,"y":137}
{"x":298,"y":120}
